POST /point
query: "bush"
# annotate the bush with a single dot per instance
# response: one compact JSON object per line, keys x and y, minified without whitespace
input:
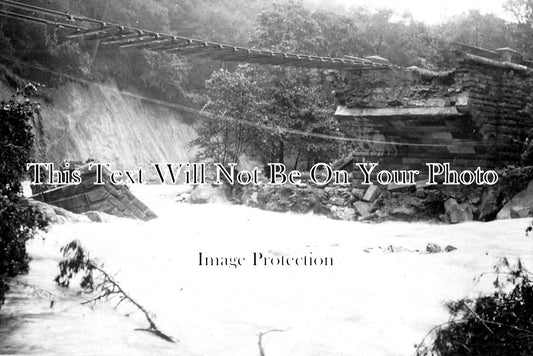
{"x":497,"y":324}
{"x":18,"y":220}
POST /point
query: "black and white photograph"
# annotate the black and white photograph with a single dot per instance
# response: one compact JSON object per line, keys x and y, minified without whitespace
{"x":266,"y":177}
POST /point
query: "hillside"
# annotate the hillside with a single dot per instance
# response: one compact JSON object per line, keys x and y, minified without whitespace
{"x":100,"y":122}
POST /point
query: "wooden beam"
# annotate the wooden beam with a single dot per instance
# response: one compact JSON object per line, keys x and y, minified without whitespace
{"x":16,"y":16}
{"x":94,"y":31}
{"x":141,"y":40}
{"x":195,"y":50}
{"x":188,"y":46}
{"x":109,"y":37}
{"x":117,"y":40}
{"x":159,"y":43}
{"x":173,"y":45}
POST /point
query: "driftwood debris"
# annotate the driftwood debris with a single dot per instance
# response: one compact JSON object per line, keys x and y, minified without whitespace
{"x":260,"y":339}
{"x":76,"y":260}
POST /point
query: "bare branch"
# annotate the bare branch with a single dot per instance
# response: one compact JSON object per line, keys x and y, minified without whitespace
{"x":260,"y":339}
{"x":76,"y":260}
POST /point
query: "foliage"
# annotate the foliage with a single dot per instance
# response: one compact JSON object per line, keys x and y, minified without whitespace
{"x":497,"y":324}
{"x":76,"y":260}
{"x":289,"y":25}
{"x":253,"y":109}
{"x":476,"y":29}
{"x":18,"y":221}
{"x":522,"y":33}
{"x":274,"y":111}
{"x":235,"y":106}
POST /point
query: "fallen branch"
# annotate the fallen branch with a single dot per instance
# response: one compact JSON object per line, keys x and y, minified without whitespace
{"x":76,"y":260}
{"x":260,"y":339}
{"x":109,"y":288}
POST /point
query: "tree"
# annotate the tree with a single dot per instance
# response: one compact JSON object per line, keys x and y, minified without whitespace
{"x":277,"y":111}
{"x":234,"y":122}
{"x":18,"y":220}
{"x":474,"y":28}
{"x":522,"y":10}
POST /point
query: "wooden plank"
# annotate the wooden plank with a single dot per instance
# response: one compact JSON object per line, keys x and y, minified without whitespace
{"x":95,"y":31}
{"x":139,"y":41}
{"x":172,"y":46}
{"x":204,"y":49}
{"x":115,"y":39}
{"x":36,"y":20}
{"x":109,"y":36}
{"x":164,"y":41}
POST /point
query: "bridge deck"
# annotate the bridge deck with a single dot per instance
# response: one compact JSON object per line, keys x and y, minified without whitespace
{"x":123,"y":37}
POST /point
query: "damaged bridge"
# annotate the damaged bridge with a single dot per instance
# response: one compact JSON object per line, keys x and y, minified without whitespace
{"x":477,"y":114}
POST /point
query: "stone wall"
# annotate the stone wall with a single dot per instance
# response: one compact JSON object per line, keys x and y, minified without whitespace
{"x":108,"y":198}
{"x":476,"y":114}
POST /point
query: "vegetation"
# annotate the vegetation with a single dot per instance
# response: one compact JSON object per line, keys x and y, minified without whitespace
{"x":496,"y":324}
{"x":76,"y":260}
{"x":18,"y":220}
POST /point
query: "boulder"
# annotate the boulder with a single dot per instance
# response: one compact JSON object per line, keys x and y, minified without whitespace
{"x":251,"y":200}
{"x":206,"y":193}
{"x":337,"y":201}
{"x":342,"y":213}
{"x":518,"y":212}
{"x":98,"y":216}
{"x":69,"y":216}
{"x":457,"y":213}
{"x":489,"y":204}
{"x":358,"y":193}
{"x":372,"y":193}
{"x":522,"y":200}
{"x":363,"y":208}
{"x":450,"y":248}
{"x":475,"y":199}
{"x":448,"y":203}
{"x":420,"y":193}
{"x":433,"y":248}
{"x":55,"y":214}
{"x":403,"y":211}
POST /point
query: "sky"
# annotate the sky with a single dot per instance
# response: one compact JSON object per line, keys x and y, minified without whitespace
{"x":434,"y":11}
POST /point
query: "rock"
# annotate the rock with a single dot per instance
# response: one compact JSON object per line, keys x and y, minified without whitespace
{"x":337,"y":201}
{"x":475,"y":199}
{"x":457,"y":213}
{"x":363,"y":208}
{"x":433,"y":248}
{"x":69,"y":216}
{"x":252,"y":200}
{"x":450,"y":248}
{"x":358,"y":193}
{"x":45,"y":209}
{"x":205,"y":193}
{"x":55,"y":214}
{"x":381,"y":214}
{"x":420,"y":193}
{"x":342,"y":213}
{"x":184,"y":198}
{"x":518,"y":212}
{"x":372,"y":193}
{"x":98,"y":216}
{"x":329,"y":190}
{"x":489,"y":204}
{"x":524,"y":199}
{"x":448,"y":203}
{"x":286,"y":191}
{"x":403,"y":211}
